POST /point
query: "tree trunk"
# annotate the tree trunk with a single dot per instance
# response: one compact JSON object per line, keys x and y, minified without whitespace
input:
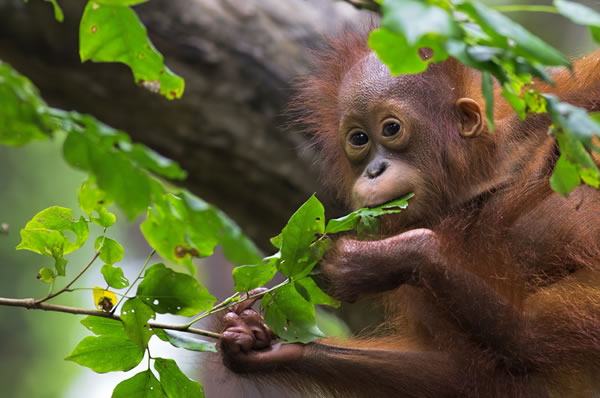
{"x":238,"y":58}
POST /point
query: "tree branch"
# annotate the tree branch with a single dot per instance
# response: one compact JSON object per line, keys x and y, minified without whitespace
{"x":32,"y":304}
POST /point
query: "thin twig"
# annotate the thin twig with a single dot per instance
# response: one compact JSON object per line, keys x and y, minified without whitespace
{"x":33,"y":304}
{"x":64,"y":289}
{"x":135,"y":281}
{"x":226,"y":305}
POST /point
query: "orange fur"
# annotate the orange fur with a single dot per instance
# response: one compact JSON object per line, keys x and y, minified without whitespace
{"x":501,"y":294}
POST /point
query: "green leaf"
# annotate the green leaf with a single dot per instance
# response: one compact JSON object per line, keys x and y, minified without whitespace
{"x":165,"y":231}
{"x":309,"y":290}
{"x":331,"y":325}
{"x":276,"y":241}
{"x":110,"y":33}
{"x":179,"y":233}
{"x":304,"y":227}
{"x":365,"y":214}
{"x":576,"y":121}
{"x":399,"y":56}
{"x":174,"y":382}
{"x":577,"y":156}
{"x":46,"y":242}
{"x":535,"y":102}
{"x":510,"y":35}
{"x":107,"y":354}
{"x":46,"y":275}
{"x":248,"y":277}
{"x":408,"y":26}
{"x":58,"y":13}
{"x":153,"y":161}
{"x":124,"y":181}
{"x":160,"y":333}
{"x":595,"y":116}
{"x":189,"y":343}
{"x":167,"y":291}
{"x":135,"y":315}
{"x":580,"y":14}
{"x":488,"y":93}
{"x":111,"y":251}
{"x":93,"y":199}
{"x":478,"y":57}
{"x":142,"y":385}
{"x":114,"y":276}
{"x":45,"y":234}
{"x":95,"y":149}
{"x":290,"y":316}
{"x":565,"y":176}
{"x":237,"y":247}
{"x":24,"y":116}
{"x":185,"y":226}
{"x":101,"y":326}
{"x":517,"y":103}
{"x":415,"y":19}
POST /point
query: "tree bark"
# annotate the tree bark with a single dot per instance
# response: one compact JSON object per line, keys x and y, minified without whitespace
{"x":238,"y":58}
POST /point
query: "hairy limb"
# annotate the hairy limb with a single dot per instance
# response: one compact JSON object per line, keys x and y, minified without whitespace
{"x":337,"y":371}
{"x":354,"y":267}
{"x":523,"y":339}
{"x":249,"y":346}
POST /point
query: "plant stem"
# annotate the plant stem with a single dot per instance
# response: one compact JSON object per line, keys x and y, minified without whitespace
{"x":134,"y":282}
{"x":91,"y":288}
{"x":64,"y":289}
{"x":221,"y":307}
{"x":33,"y":304}
{"x":526,"y":8}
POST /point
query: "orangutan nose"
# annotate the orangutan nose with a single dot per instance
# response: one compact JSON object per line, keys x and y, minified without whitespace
{"x":376,"y":168}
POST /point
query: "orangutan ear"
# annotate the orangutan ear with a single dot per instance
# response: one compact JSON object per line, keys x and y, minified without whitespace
{"x":471,"y":120}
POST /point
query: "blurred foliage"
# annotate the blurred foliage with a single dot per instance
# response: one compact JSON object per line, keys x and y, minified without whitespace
{"x":33,"y":177}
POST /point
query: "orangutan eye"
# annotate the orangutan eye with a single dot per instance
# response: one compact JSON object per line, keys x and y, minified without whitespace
{"x":359,"y":138}
{"x":391,"y":129}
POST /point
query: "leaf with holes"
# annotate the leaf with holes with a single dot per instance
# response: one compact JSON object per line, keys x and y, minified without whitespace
{"x":167,"y":291}
{"x":290,"y":315}
{"x":107,"y":353}
{"x":93,"y":201}
{"x":142,"y":385}
{"x":248,"y":277}
{"x":114,"y":276}
{"x":101,"y":326}
{"x":135,"y":316}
